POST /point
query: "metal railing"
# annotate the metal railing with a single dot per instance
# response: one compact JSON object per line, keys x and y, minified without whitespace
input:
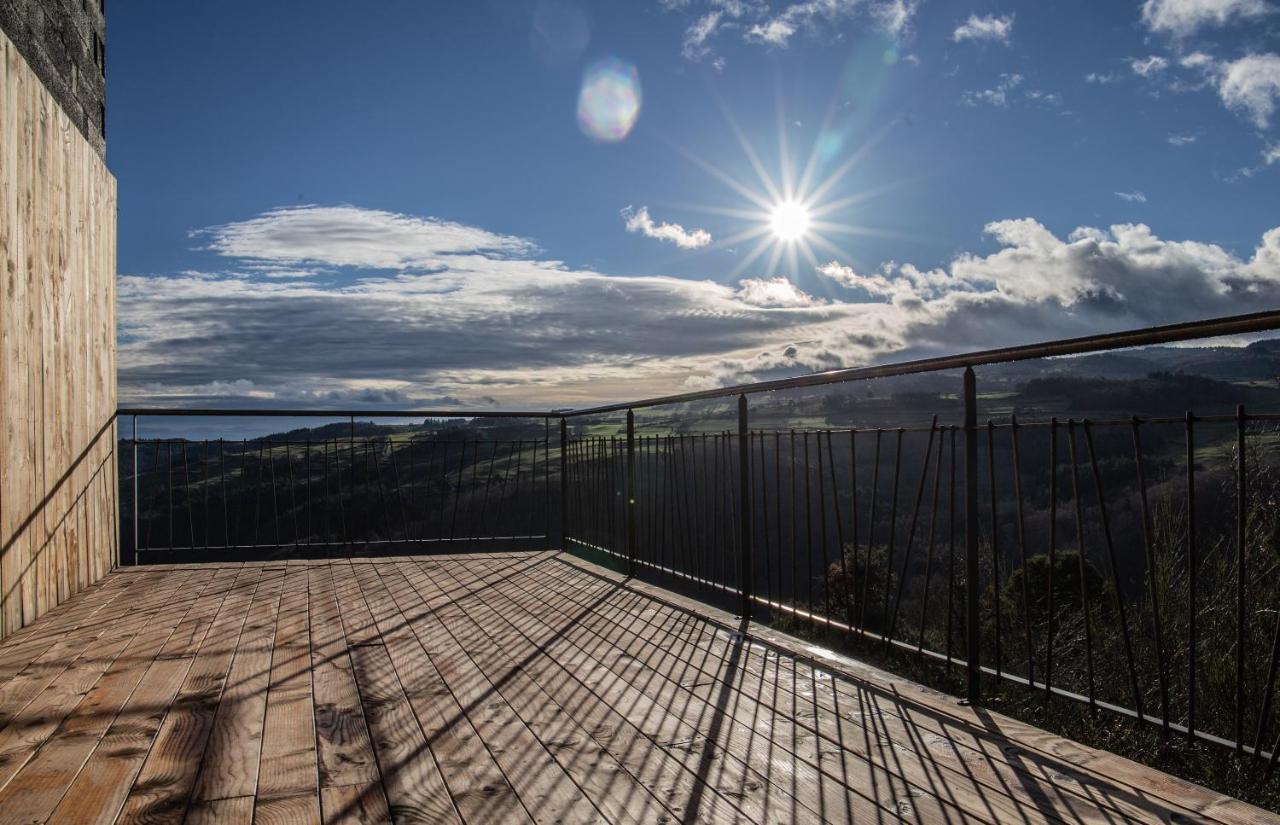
{"x":357,"y":488}
{"x":1127,"y":562}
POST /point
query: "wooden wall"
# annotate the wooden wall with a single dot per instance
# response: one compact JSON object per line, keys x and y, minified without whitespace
{"x":58,"y":513}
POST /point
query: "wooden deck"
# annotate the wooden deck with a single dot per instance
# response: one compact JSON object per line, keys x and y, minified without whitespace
{"x":500,"y":688}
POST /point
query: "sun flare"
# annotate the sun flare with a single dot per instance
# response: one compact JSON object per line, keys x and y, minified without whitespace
{"x":789,"y":221}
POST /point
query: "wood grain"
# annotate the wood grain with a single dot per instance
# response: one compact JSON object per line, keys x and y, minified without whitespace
{"x":500,"y":688}
{"x":57,"y":353}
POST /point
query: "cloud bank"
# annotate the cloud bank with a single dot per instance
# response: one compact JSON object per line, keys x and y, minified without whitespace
{"x":418,"y":310}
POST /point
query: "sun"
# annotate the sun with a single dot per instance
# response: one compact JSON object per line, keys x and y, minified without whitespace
{"x":789,"y":221}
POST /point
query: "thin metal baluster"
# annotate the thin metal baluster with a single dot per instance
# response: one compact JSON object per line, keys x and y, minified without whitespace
{"x":457,"y":492}
{"x":669,"y":496}
{"x":1051,"y":635}
{"x":692,"y":562}
{"x":893,"y":533}
{"x":1242,"y":519}
{"x":222,"y":483}
{"x":1084,"y":577}
{"x":502,"y":493}
{"x":293,"y":498}
{"x":928,"y":559}
{"x":871,"y":532}
{"x":186,"y":475}
{"x":835,"y":512}
{"x":548,"y":500}
{"x":951,"y":541}
{"x":306,"y":469}
{"x":1115,"y":572}
{"x":1265,"y":715}
{"x":204,"y":479}
{"x":696,"y":478}
{"x":257,"y":499}
{"x":714,"y":549}
{"x":395,"y":481}
{"x":822,"y":527}
{"x":342,"y":507}
{"x":1022,"y":548}
{"x":851,"y":581}
{"x":240,"y":502}
{"x":995,"y":538}
{"x":764,"y":516}
{"x":484,"y":499}
{"x":1149,"y":543}
{"x":371,"y":450}
{"x":515,"y":529}
{"x":795,"y":527}
{"x":413,"y":483}
{"x":777,"y":496}
{"x":275,"y":501}
{"x":709,"y":500}
{"x":911,"y":529}
{"x":168,"y":455}
{"x":808,"y":526}
{"x":1192,"y":571}
{"x":533,"y":479}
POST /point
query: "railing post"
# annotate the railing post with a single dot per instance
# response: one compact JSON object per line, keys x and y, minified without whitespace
{"x":564,"y":483}
{"x":135,"y":491}
{"x":744,"y":508}
{"x":973,"y":673}
{"x":631,"y":493}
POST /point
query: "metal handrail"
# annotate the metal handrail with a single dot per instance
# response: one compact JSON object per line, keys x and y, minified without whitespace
{"x":1147,"y":336}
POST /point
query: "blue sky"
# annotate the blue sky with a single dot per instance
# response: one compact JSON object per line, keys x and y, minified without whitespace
{"x":398,"y":202}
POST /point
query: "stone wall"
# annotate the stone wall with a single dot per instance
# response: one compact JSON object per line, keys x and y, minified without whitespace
{"x":64,"y":43}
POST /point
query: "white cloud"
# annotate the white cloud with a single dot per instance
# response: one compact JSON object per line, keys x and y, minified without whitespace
{"x":774,"y":292}
{"x":1182,"y":18}
{"x":990,"y":27}
{"x":895,"y":16}
{"x":495,"y":326}
{"x":774,"y":32}
{"x":1251,"y":86}
{"x":696,"y":36}
{"x":349,"y":236}
{"x":1271,"y":154}
{"x":1101,"y":79}
{"x":1181,"y":140}
{"x":1148,"y":66}
{"x":997,"y":95}
{"x":1132,"y":197}
{"x":638,"y":220}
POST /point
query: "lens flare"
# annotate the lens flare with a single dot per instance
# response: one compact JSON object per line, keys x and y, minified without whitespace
{"x":789,"y":221}
{"x":609,"y":101}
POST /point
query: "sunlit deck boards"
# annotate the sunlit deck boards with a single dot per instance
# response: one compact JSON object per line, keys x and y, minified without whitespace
{"x":498,"y":688}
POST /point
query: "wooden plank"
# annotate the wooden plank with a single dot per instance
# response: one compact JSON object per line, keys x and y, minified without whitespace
{"x":613,"y":718}
{"x":230,"y":765}
{"x":38,"y":787}
{"x":232,"y":811}
{"x":410,"y":775}
{"x":415,"y":789}
{"x":442,"y":701}
{"x":364,"y":804}
{"x":163,"y":787}
{"x":876,"y":761}
{"x":344,"y":749}
{"x":473,"y":674}
{"x":99,"y":790}
{"x":299,"y":809}
{"x":289,"y":762}
{"x":1054,"y":762}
